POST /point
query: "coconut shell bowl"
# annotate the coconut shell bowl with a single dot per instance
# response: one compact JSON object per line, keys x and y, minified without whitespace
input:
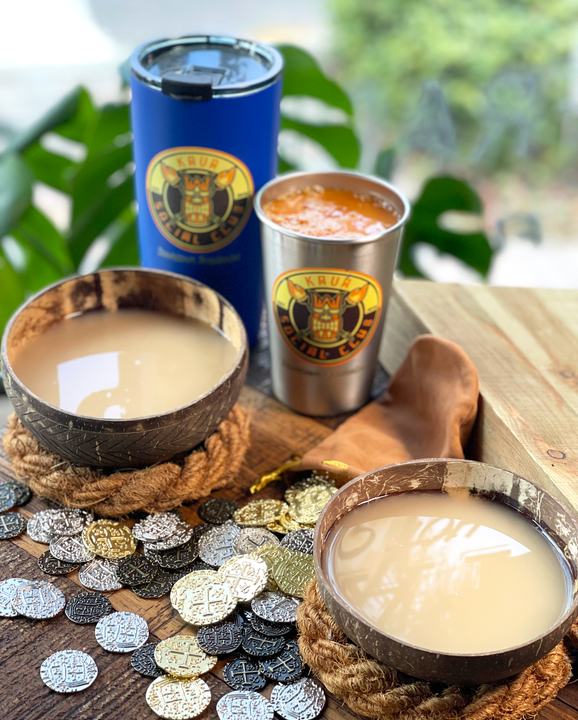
{"x":559,"y":523}
{"x":135,"y":442}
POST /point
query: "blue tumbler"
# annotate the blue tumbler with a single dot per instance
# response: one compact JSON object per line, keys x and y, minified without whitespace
{"x":205,"y":118}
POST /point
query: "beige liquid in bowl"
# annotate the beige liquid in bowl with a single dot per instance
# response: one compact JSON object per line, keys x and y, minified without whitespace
{"x":124,"y":364}
{"x":451,"y":573}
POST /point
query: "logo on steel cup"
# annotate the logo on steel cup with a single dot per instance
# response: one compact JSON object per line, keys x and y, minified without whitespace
{"x":326,"y":316}
{"x":200,"y":199}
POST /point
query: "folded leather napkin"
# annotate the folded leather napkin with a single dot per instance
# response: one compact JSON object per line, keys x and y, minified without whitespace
{"x":428,"y":411}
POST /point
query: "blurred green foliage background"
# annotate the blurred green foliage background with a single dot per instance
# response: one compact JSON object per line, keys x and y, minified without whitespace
{"x":502,"y":66}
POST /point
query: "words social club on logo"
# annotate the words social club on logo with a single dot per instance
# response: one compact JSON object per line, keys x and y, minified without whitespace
{"x":326,"y":316}
{"x":200,"y":199}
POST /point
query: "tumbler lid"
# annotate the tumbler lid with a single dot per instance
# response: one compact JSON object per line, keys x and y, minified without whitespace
{"x":204,"y":66}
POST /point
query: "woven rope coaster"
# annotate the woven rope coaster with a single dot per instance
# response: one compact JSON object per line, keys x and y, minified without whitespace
{"x":153,"y":489}
{"x":372,"y":689}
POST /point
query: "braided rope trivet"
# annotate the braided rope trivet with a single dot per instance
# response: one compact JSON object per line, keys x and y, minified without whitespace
{"x":153,"y":489}
{"x":374,"y":690}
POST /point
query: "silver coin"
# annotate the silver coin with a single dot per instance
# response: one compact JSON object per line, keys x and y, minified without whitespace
{"x":302,"y":700}
{"x":218,"y":544}
{"x":68,"y":671}
{"x":156,"y":527}
{"x":121,"y":632}
{"x":36,"y":530}
{"x":7,"y":589}
{"x":63,"y":521}
{"x":246,"y":576}
{"x":299,"y":541}
{"x":38,"y":600}
{"x":100,"y":574}
{"x":71,"y":548}
{"x":7,"y":497}
{"x":276,"y":607}
{"x":252,"y":538}
{"x":183,"y":534}
{"x":244,"y":705}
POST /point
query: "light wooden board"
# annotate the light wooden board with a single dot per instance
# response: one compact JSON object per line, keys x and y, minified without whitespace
{"x":524,"y":343}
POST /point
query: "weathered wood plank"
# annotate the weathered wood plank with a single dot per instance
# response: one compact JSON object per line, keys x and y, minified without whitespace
{"x":527,"y":360}
{"x":557,"y":710}
{"x":569,"y":694}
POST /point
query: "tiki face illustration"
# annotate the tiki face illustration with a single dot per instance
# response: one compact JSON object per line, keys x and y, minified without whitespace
{"x":197,"y":192}
{"x":326,"y":310}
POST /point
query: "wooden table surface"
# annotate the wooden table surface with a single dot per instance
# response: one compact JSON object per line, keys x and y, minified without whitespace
{"x":119,"y":692}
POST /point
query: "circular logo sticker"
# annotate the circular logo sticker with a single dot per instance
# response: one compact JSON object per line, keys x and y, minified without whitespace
{"x":326,"y":316}
{"x":200,"y":199}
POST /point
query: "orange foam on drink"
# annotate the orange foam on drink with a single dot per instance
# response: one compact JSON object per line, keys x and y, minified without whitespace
{"x":325,"y":212}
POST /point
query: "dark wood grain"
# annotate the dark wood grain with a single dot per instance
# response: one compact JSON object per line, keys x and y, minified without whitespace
{"x":119,"y":693}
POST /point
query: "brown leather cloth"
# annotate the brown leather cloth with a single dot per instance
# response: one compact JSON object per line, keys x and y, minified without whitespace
{"x":428,"y":411}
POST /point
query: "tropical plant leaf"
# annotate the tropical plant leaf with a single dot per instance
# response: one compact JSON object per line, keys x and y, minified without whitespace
{"x":11,"y":289}
{"x":38,"y":271}
{"x":283,"y":165}
{"x":103,"y":210}
{"x":91,"y":180}
{"x":440,"y":195}
{"x":303,"y":76}
{"x":125,"y":249}
{"x":112,"y":122}
{"x":61,"y":114}
{"x":339,"y":141}
{"x":79,"y":126}
{"x":37,"y":232}
{"x":49,"y":168}
{"x":15,"y":190}
{"x":384,"y":164}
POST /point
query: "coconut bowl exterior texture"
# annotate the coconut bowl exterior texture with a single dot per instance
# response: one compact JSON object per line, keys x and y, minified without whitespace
{"x":503,"y":486}
{"x":135,"y":442}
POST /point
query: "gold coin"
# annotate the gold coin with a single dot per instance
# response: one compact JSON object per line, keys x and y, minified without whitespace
{"x":308,"y":504}
{"x":288,"y":524}
{"x":202,"y":598}
{"x":183,"y":657}
{"x":245,"y":576}
{"x":301,"y":485}
{"x":109,"y":539}
{"x":259,"y":513}
{"x":177,"y":699}
{"x":200,"y":576}
{"x":292,"y":571}
{"x":276,"y":527}
{"x":268,"y":553}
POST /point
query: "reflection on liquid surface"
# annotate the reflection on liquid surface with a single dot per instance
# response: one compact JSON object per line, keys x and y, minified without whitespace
{"x":124,"y":364}
{"x":448,"y":572}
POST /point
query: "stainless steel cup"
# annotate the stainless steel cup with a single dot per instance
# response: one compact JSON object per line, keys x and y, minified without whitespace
{"x":327,"y":299}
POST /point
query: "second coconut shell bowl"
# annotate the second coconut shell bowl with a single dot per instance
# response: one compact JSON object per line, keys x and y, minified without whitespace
{"x":558,"y":522}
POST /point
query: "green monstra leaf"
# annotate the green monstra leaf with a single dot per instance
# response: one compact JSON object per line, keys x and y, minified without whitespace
{"x":15,"y":190}
{"x":440,"y":195}
{"x":303,"y":76}
{"x":339,"y":141}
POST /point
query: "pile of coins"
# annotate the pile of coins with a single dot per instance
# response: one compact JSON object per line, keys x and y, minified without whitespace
{"x":37,"y":600}
{"x":302,"y":700}
{"x":238,"y":578}
{"x":12,"y":494}
{"x":303,"y":504}
{"x":104,"y":551}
